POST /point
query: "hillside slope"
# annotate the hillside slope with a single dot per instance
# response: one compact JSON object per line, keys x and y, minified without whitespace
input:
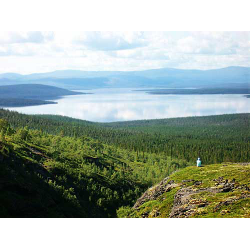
{"x":44,"y":175}
{"x":216,"y":139}
{"x":56,"y":176}
{"x":52,"y":166}
{"x":221,"y":190}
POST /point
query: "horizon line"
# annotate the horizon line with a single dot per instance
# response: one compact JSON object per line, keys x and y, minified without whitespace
{"x":46,"y":72}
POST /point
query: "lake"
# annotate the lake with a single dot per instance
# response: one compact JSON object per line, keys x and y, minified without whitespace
{"x":108,"y":105}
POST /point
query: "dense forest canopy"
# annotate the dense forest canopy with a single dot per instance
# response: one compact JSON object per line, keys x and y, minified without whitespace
{"x":55,"y":166}
{"x":46,"y":175}
{"x":214,"y":138}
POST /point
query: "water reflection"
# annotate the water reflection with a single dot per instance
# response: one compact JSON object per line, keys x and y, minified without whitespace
{"x":106,"y":105}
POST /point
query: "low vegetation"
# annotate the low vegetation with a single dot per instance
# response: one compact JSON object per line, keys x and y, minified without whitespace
{"x":218,"y":190}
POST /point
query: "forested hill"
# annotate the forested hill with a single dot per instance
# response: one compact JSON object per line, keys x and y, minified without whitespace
{"x":194,"y":121}
{"x":34,"y":91}
{"x":214,"y":138}
{"x":21,"y":95}
{"x":54,"y":176}
{"x":45,"y":175}
{"x":54,"y":166}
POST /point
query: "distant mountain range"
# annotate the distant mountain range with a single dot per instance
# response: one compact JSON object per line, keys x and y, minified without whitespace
{"x":230,"y":77}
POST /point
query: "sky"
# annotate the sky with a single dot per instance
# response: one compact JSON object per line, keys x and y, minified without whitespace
{"x":42,"y":51}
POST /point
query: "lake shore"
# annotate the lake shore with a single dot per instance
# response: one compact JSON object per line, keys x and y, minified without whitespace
{"x":208,"y":91}
{"x":110,"y":105}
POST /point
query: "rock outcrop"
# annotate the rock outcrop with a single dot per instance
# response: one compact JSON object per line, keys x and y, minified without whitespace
{"x":155,"y":192}
{"x":201,"y":195}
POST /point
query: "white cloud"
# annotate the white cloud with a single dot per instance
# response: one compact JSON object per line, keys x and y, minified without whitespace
{"x":25,"y":37}
{"x":214,"y":43}
{"x":109,"y":41}
{"x":27,"y":52}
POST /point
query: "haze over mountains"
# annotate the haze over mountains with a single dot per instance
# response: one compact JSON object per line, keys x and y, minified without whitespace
{"x":230,"y":77}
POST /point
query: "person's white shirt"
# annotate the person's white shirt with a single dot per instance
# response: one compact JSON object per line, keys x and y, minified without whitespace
{"x":198,"y":162}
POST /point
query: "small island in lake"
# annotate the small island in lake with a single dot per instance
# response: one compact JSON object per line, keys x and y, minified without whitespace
{"x":200,"y":91}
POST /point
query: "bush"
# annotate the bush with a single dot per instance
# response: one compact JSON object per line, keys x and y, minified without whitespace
{"x":22,"y":134}
{"x":123,"y":212}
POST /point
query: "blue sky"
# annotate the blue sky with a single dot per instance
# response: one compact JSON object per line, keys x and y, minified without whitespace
{"x":29,"y":52}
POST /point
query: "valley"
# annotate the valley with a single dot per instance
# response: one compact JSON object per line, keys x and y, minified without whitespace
{"x":55,"y":166}
{"x":116,"y":138}
{"x":79,"y":144}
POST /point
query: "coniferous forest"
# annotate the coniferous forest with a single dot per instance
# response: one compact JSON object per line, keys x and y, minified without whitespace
{"x":55,"y":166}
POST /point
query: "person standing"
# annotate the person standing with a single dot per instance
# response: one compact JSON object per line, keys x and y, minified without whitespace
{"x":199,"y":162}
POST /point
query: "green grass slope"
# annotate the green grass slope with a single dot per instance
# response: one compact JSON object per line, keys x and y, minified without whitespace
{"x":219,"y":190}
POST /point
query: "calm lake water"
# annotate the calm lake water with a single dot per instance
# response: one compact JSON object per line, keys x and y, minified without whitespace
{"x":107,"y":105}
